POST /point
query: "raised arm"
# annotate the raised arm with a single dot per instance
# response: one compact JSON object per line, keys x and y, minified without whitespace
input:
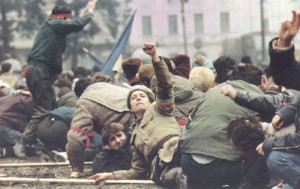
{"x":164,"y":88}
{"x":288,"y":31}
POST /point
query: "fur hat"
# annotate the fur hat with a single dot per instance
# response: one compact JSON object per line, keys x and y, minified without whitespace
{"x":181,"y":59}
{"x":140,"y":88}
{"x":131,"y":66}
{"x":145,"y":73}
{"x":201,"y":60}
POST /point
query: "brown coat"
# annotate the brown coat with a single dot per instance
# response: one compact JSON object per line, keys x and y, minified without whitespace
{"x":157,"y":124}
{"x":93,"y":111}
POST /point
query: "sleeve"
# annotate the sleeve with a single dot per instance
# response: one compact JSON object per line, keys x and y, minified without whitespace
{"x":164,"y":90}
{"x":284,"y":67}
{"x":262,"y":103}
{"x":138,"y":168}
{"x":68,"y":26}
{"x":281,"y":143}
{"x":81,"y":126}
{"x":289,"y":108}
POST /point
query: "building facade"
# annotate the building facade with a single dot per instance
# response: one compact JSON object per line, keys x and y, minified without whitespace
{"x":208,"y":24}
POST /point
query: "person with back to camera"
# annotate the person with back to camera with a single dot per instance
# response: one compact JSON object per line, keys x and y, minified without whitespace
{"x":45,"y":63}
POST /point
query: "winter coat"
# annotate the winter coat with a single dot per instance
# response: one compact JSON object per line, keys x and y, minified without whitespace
{"x":157,"y":133}
{"x":50,"y":41}
{"x":285,"y":70}
{"x":16,"y":111}
{"x":206,"y":132}
{"x":99,"y":105}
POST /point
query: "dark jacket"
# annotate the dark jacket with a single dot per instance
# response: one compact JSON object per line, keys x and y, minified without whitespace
{"x":284,"y":68}
{"x":50,"y":41}
{"x":112,"y":160}
{"x":268,"y":105}
{"x":288,"y":108}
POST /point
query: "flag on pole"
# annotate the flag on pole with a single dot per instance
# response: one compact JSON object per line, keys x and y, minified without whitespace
{"x":118,"y":49}
{"x":97,"y":61}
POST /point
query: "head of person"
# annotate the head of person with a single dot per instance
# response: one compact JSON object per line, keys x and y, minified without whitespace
{"x":113,"y":136}
{"x":245,"y":134}
{"x":6,"y":68}
{"x":4,"y":88}
{"x":223,"y":66}
{"x":246,"y":60}
{"x":130,"y":67}
{"x":139,"y":99}
{"x":81,"y":85}
{"x":61,"y":12}
{"x":146,"y":73}
{"x":249,"y":73}
{"x":182,"y":65}
{"x":203,"y":78}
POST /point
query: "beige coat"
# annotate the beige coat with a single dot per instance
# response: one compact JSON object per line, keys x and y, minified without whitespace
{"x":158,"y":124}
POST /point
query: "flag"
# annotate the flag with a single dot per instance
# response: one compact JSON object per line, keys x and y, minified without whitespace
{"x":97,"y":61}
{"x":118,"y":49}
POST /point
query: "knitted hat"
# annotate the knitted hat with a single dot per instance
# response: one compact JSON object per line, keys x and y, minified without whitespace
{"x":131,"y":66}
{"x":183,"y":66}
{"x":140,"y":88}
{"x":201,"y":60}
{"x":181,"y":59}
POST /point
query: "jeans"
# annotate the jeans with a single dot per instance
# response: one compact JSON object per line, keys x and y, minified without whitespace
{"x":8,"y":137}
{"x":222,"y":172}
{"x":285,"y":165}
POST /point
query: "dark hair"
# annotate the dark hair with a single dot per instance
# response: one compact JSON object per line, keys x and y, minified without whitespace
{"x":81,"y":72}
{"x":99,"y":77}
{"x":5,"y":67}
{"x":110,"y":130}
{"x":81,"y":85}
{"x":63,"y":82}
{"x":61,"y":10}
{"x":246,"y":134}
{"x":146,"y":73}
{"x":223,"y":65}
{"x":247,"y":72}
{"x":130,"y":67}
{"x":246,"y":60}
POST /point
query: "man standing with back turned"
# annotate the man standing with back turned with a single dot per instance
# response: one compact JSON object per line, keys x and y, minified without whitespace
{"x":45,"y":63}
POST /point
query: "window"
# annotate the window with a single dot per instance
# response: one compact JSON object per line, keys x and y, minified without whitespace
{"x":147,"y":27}
{"x":224,"y":22}
{"x":173,"y":24}
{"x":198,"y":18}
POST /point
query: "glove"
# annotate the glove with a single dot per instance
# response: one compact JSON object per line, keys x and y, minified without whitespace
{"x":85,"y":173}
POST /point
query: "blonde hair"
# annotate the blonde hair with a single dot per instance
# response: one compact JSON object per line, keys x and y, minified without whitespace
{"x":203,"y":78}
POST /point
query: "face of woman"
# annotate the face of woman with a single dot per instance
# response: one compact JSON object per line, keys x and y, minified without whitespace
{"x":139,"y":102}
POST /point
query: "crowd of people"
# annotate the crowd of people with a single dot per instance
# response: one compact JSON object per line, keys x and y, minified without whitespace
{"x":181,"y":122}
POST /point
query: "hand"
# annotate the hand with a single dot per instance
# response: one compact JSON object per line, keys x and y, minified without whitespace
{"x":85,"y":173}
{"x":150,"y":49}
{"x":288,"y":30}
{"x":259,"y":149}
{"x":277,"y":122}
{"x":229,"y":91}
{"x":101,"y":177}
